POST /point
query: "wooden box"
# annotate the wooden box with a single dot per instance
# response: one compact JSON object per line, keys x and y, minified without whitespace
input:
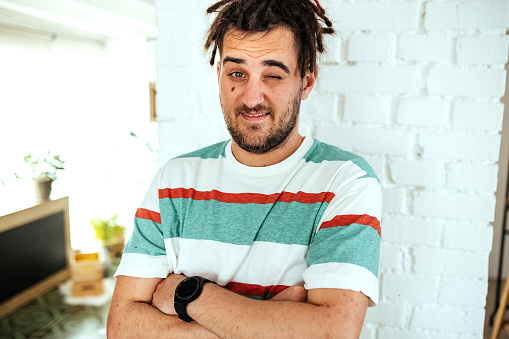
{"x":86,"y":267}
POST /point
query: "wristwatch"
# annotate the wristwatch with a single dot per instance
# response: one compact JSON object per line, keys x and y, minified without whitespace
{"x":187,"y":290}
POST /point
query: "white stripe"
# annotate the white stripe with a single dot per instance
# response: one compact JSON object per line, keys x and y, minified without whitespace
{"x":262,"y":263}
{"x":216,"y":174}
{"x":143,"y":266}
{"x":344,"y":276}
{"x":151,"y":199}
{"x":362,"y":196}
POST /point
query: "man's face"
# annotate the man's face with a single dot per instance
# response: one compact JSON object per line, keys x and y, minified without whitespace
{"x":260,"y":88}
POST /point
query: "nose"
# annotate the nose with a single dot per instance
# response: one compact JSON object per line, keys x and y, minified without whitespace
{"x":253,"y":93}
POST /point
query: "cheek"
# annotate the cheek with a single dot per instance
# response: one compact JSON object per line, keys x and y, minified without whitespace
{"x":281,"y":96}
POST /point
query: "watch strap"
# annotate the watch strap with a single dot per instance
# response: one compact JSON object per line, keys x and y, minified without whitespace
{"x":181,"y":304}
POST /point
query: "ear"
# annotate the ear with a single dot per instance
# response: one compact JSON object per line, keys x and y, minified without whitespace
{"x":308,"y":82}
{"x":218,"y":70}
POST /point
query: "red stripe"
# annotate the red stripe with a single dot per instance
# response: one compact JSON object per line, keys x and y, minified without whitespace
{"x":258,"y":290}
{"x":245,"y":198}
{"x":345,"y":220}
{"x":149,"y":215}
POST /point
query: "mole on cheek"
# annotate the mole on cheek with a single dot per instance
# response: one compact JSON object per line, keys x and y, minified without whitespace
{"x":233,"y":89}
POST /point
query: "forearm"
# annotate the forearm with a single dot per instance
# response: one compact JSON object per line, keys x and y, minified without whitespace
{"x":229,"y":315}
{"x":141,"y":320}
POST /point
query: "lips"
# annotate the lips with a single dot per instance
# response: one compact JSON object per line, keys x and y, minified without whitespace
{"x":255,"y":116}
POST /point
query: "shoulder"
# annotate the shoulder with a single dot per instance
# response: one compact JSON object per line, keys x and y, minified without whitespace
{"x":321,"y":152}
{"x":193,"y":162}
{"x":210,"y":152}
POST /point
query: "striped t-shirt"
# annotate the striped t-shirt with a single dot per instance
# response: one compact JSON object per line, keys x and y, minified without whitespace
{"x":312,"y":219}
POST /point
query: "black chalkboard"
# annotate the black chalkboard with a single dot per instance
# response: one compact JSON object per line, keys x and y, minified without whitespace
{"x":31,"y":253}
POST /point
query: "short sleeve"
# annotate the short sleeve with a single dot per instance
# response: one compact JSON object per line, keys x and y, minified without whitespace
{"x":344,"y":252}
{"x":145,"y":253}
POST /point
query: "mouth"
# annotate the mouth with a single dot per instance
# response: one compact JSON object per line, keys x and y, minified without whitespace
{"x":254,"y":117}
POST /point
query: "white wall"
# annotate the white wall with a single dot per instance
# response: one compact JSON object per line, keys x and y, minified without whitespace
{"x":415,"y":87}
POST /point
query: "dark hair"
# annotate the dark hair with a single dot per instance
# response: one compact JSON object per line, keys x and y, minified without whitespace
{"x":302,"y":17}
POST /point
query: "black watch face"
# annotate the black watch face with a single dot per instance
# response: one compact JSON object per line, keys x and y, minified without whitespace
{"x":187,"y":288}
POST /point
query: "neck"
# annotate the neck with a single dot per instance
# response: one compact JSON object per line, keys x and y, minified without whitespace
{"x":283,"y":151}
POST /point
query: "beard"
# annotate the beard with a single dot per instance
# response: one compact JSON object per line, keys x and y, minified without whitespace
{"x":253,"y":140}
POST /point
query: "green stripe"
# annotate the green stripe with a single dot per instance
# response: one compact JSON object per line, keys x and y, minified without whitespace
{"x":354,"y":244}
{"x":324,"y":152}
{"x":147,"y":238}
{"x":242,"y":224}
{"x":257,"y":297}
{"x":211,"y":152}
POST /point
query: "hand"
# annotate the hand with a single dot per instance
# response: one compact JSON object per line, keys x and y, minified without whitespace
{"x":293,"y":293}
{"x":162,"y":299}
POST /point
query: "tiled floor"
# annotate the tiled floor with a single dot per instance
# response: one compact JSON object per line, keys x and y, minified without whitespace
{"x":50,"y":317}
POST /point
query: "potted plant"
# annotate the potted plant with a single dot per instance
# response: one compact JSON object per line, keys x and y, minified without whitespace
{"x":110,"y":233}
{"x":43,"y":171}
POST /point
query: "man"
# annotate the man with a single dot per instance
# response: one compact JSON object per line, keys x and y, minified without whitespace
{"x":271,"y":234}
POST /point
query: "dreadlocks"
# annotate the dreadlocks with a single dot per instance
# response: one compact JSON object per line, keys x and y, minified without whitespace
{"x":302,"y":17}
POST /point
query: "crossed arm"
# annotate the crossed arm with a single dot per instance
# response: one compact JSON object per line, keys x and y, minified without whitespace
{"x":144,"y":308}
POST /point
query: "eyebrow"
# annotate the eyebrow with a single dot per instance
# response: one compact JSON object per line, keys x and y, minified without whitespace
{"x":268,"y":63}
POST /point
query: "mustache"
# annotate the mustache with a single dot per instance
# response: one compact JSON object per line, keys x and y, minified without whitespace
{"x":246,"y":109}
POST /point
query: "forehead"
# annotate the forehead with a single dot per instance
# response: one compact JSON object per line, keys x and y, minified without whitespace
{"x":277,"y":42}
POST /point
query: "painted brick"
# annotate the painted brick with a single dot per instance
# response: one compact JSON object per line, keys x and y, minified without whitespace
{"x":460,"y":146}
{"x":367,"y":109}
{"x":404,"y":230}
{"x":183,"y":78}
{"x":368,"y":332}
{"x":463,"y":292}
{"x":477,"y":238}
{"x":320,"y":106}
{"x":190,"y":50}
{"x":370,"y":79}
{"x":306,"y":127}
{"x":390,"y":15}
{"x":444,"y":318}
{"x":454,"y":205}
{"x":387,"y":313}
{"x":416,"y":172}
{"x":482,"y":116}
{"x":333,"y":50}
{"x":483,"y":50}
{"x":476,"y":177}
{"x":394,"y":200}
{"x":451,"y":263}
{"x":189,"y":20}
{"x":481,"y":14}
{"x":393,"y":333}
{"x":391,"y":256}
{"x":209,"y":105}
{"x":425,"y":48}
{"x":378,"y":165}
{"x":410,"y":287}
{"x":423,"y":112}
{"x":466,"y":82}
{"x":367,"y":140}
{"x":371,"y":47}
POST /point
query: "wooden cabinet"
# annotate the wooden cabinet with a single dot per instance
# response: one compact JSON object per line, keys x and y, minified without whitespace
{"x":34,"y":252}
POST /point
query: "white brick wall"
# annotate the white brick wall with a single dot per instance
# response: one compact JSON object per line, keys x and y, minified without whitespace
{"x":415,"y":87}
